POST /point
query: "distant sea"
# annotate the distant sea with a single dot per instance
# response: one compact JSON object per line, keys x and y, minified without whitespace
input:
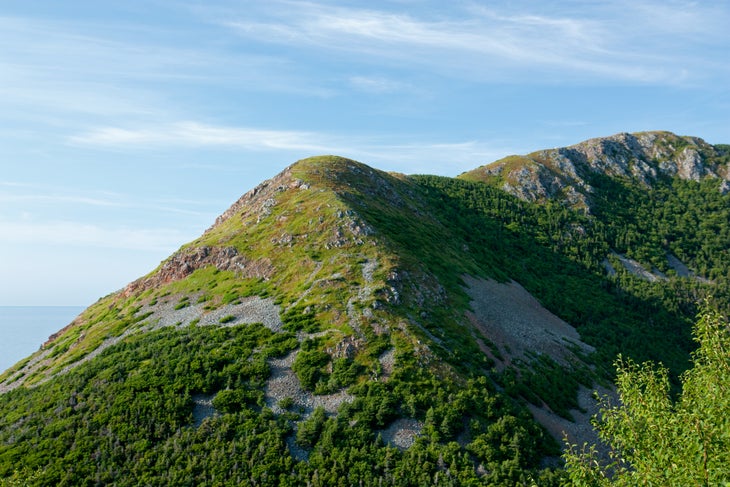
{"x":23,"y":329}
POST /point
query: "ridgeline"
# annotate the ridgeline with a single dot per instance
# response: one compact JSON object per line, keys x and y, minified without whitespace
{"x":339,"y":325}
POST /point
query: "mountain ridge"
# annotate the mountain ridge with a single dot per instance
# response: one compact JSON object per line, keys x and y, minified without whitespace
{"x":400,"y":305}
{"x":565,"y":173}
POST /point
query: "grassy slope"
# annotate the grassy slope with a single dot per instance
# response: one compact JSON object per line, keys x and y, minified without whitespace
{"x":333,"y":232}
{"x":307,"y":236}
{"x":423,"y":234}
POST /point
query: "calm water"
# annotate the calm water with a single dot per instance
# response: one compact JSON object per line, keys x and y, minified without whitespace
{"x":24,"y":328}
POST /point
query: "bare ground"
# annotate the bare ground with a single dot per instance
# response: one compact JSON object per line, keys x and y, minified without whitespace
{"x":581,"y":430}
{"x":516,"y":322}
{"x":402,"y":433}
{"x":283,"y":383}
{"x":511,"y":318}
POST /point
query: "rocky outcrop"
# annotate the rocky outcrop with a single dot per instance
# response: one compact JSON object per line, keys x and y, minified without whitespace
{"x":184,"y":262}
{"x":261,"y":198}
{"x":565,"y":173}
{"x":645,"y":155}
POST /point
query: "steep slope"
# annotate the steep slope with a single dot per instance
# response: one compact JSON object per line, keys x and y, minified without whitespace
{"x":338,"y":322}
{"x":283,"y":238}
{"x":566,"y":173}
{"x":295,"y":304}
{"x":658,"y":201}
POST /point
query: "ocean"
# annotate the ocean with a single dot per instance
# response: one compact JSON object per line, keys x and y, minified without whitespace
{"x":23,"y":329}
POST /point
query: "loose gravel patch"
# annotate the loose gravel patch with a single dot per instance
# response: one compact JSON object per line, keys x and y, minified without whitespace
{"x":202,"y":408}
{"x":249,"y":310}
{"x":516,"y":322}
{"x":387,"y":362}
{"x":402,"y":433}
{"x":579,"y":431}
{"x":283,"y":383}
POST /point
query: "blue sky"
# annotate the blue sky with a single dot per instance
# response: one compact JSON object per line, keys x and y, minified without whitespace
{"x":127,"y":127}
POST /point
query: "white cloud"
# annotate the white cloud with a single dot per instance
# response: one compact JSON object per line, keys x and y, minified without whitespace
{"x":55,"y":199}
{"x":197,"y":134}
{"x":88,"y":235}
{"x":445,"y":158}
{"x":588,"y":41}
{"x":62,"y":72}
{"x":678,"y":19}
{"x":415,"y":154}
{"x":26,"y":194}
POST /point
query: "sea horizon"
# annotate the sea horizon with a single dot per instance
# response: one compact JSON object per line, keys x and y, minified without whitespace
{"x":23,"y":329}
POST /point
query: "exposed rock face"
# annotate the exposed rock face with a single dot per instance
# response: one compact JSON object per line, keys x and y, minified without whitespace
{"x":564,"y":173}
{"x":258,"y":202}
{"x":645,"y":155}
{"x":184,"y":262}
{"x":262,"y":197}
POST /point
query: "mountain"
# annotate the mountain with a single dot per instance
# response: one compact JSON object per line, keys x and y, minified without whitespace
{"x":340,"y":324}
{"x":567,"y":173}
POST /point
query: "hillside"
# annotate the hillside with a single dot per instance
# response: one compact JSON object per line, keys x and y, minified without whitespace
{"x":568,"y":174}
{"x":339,"y":322}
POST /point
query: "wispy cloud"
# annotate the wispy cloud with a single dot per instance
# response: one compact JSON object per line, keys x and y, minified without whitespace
{"x":53,"y":69}
{"x":90,"y":235}
{"x":21,"y":195}
{"x":429,"y":157}
{"x":55,"y":199}
{"x":51,"y":66}
{"x":115,"y":51}
{"x":494,"y":43}
{"x":411,"y":153}
{"x":185,"y":134}
{"x":378,"y":84}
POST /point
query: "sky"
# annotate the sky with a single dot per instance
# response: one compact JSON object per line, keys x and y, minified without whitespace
{"x":127,"y":127}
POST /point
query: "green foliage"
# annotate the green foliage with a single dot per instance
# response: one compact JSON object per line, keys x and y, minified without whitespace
{"x":309,"y":365}
{"x":126,"y":417}
{"x":345,"y":372}
{"x":227,"y":319}
{"x":21,"y":478}
{"x":656,"y":440}
{"x":686,"y":218}
{"x":229,"y":401}
{"x":544,"y":379}
{"x":286,"y":403}
{"x":308,"y":431}
{"x":302,"y":318}
{"x":131,"y":409}
{"x":183,"y":303}
{"x":557,"y":254}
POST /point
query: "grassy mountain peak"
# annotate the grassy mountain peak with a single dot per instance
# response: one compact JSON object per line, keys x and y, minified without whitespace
{"x":293,"y":237}
{"x":428,"y":329}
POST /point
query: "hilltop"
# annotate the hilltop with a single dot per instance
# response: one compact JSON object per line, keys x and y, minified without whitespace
{"x":341,"y":322}
{"x":567,"y":173}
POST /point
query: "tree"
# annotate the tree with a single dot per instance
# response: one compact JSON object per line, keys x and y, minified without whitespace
{"x":655,"y":440}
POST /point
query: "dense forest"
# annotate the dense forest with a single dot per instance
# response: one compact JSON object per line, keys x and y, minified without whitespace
{"x":126,"y":418}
